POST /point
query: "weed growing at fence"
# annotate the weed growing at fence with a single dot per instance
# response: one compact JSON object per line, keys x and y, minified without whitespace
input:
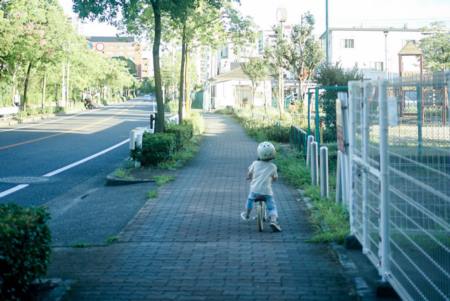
{"x":330,"y":219}
{"x":262,"y":129}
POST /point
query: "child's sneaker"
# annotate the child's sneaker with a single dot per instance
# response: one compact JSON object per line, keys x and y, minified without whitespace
{"x":244,"y":216}
{"x":275,"y":227}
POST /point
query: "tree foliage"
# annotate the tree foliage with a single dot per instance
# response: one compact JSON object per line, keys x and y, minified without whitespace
{"x":37,"y":42}
{"x":436,"y":47}
{"x":303,"y":52}
{"x":332,"y":75}
{"x":256,"y":70}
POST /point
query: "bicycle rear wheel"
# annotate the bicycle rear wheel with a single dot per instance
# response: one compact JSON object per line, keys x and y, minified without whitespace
{"x":260,"y":212}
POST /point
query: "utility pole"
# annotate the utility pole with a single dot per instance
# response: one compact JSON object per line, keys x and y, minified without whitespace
{"x":281,"y":18}
{"x":326,"y":33}
{"x":385,"y":53}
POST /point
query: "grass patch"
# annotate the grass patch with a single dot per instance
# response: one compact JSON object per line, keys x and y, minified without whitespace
{"x":111,"y":239}
{"x":163,"y":179}
{"x":123,"y":173}
{"x":152,"y":194}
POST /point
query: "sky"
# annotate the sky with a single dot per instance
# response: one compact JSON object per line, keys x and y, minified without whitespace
{"x":342,"y":13}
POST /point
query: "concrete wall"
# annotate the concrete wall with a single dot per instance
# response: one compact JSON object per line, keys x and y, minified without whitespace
{"x":369,"y":48}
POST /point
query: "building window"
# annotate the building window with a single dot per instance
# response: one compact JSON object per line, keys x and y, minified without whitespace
{"x":379,"y":66}
{"x":224,"y":53}
{"x":349,"y":43}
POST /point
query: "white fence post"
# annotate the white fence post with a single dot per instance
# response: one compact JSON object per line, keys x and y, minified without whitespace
{"x":324,"y":186}
{"x":384,"y":181}
{"x":308,"y":150}
{"x":351,"y":135}
{"x":314,"y":163}
{"x":365,"y":156}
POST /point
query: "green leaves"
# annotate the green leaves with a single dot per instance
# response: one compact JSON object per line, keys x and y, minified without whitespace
{"x":436,"y":47}
{"x":24,"y":248}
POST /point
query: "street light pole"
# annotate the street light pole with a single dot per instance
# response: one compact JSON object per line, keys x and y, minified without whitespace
{"x":385,"y":53}
{"x":280,"y":75}
{"x":326,"y":33}
{"x":281,"y":18}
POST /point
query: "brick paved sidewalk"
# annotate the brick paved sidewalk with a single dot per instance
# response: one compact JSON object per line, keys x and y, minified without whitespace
{"x":190,"y":243}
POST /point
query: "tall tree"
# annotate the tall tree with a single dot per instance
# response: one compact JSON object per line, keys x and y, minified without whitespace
{"x":303,"y":52}
{"x":436,"y":47}
{"x":138,"y":16}
{"x":205,"y":22}
{"x":275,"y":57}
{"x":256,"y":70}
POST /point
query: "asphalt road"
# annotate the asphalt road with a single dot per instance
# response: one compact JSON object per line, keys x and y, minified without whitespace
{"x":62,"y":162}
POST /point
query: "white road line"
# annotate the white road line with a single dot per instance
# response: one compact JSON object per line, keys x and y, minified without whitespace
{"x":62,"y":169}
{"x":12,"y":190}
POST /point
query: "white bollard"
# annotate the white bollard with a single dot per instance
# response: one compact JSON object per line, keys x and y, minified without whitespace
{"x":324,"y":185}
{"x":314,"y":164}
{"x":308,"y":150}
{"x":132,"y":139}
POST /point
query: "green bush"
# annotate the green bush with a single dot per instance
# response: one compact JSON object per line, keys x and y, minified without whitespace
{"x":156,"y":148}
{"x":171,"y":106}
{"x":332,"y":75}
{"x":197,"y":122}
{"x":263,"y":131}
{"x":183,"y":132}
{"x":24,"y":249}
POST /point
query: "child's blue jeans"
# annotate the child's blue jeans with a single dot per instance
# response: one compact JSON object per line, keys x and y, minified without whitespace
{"x":270,"y":203}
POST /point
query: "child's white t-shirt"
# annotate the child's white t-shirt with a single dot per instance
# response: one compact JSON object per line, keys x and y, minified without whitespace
{"x":263,"y":173}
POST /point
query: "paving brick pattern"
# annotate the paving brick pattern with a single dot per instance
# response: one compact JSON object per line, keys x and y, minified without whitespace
{"x":190,"y":243}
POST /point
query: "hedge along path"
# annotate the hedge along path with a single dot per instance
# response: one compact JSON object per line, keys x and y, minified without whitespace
{"x":192,"y":244}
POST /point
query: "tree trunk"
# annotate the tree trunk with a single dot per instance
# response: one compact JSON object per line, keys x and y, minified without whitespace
{"x":187,"y":97}
{"x":44,"y":86}
{"x":181,"y":96}
{"x":159,"y":123}
{"x":25,"y":86}
{"x":265,"y":98}
{"x":68,"y":83}
{"x":252,"y":105}
{"x":14,"y":88}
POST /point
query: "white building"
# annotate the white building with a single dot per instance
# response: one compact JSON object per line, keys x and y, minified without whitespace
{"x":227,"y":84}
{"x":372,"y":50}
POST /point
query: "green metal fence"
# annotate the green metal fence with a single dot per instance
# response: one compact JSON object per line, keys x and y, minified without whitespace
{"x":298,"y":138}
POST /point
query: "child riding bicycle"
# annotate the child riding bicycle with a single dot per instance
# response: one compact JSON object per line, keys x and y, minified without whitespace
{"x":262,"y":173}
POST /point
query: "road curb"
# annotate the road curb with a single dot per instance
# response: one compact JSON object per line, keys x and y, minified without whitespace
{"x":54,"y":289}
{"x":112,"y":180}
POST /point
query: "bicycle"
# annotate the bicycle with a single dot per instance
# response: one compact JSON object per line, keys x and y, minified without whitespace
{"x":261,"y":212}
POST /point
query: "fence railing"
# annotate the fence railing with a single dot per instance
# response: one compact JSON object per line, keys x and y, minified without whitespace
{"x":298,"y":138}
{"x":400,"y":196}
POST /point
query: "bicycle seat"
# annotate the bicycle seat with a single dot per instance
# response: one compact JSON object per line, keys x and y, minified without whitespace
{"x":260,"y":198}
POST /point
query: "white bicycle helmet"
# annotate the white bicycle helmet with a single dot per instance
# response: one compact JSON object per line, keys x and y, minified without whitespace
{"x":266,"y":151}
